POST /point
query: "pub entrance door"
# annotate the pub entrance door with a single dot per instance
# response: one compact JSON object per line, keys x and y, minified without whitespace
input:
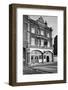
{"x":47,"y":58}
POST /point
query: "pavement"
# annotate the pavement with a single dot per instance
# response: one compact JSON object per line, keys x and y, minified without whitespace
{"x":41,"y":68}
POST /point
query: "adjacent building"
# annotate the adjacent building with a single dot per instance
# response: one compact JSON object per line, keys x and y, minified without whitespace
{"x":55,"y":46}
{"x":37,"y":41}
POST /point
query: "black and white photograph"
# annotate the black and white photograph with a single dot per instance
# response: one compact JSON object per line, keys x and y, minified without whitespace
{"x":37,"y":44}
{"x":40,"y":44}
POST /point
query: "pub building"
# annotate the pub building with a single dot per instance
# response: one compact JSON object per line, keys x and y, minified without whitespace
{"x":37,"y":41}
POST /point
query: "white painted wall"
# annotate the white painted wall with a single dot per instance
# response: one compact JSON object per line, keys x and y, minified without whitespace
{"x":4,"y":44}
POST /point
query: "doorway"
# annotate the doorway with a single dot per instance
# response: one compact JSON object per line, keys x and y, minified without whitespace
{"x":47,"y":58}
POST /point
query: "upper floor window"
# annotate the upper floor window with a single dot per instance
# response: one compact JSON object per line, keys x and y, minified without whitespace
{"x":48,"y":44}
{"x":42,"y":42}
{"x":47,"y":34}
{"x":32,"y":41}
{"x":38,"y":42}
{"x":37,"y":31}
{"x":45,"y":43}
{"x":32,"y":30}
{"x":42,"y":32}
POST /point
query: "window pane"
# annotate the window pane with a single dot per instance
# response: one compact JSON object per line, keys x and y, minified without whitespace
{"x":48,"y":44}
{"x":42,"y":32}
{"x":45,"y":42}
{"x":42,"y":42}
{"x":32,"y":30}
{"x":37,"y":31}
{"x":40,"y":57}
{"x":38,"y":42}
{"x":47,"y":34}
{"x":32,"y":41}
{"x":44,"y":57}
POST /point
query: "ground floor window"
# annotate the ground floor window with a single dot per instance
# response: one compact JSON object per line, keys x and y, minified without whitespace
{"x":39,"y":57}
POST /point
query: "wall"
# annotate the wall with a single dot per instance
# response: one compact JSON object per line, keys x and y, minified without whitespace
{"x":4,"y":44}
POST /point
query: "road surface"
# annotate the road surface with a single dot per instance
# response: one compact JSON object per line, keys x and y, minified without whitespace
{"x":41,"y":69}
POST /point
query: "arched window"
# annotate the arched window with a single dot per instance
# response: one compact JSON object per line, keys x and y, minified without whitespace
{"x":40,"y":57}
{"x":36,"y":57}
{"x":44,"y":56}
{"x":48,"y":56}
{"x":37,"y":54}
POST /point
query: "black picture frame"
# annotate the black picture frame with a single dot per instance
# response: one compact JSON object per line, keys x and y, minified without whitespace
{"x":12,"y":44}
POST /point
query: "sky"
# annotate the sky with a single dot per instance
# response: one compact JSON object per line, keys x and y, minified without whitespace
{"x":51,"y":20}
